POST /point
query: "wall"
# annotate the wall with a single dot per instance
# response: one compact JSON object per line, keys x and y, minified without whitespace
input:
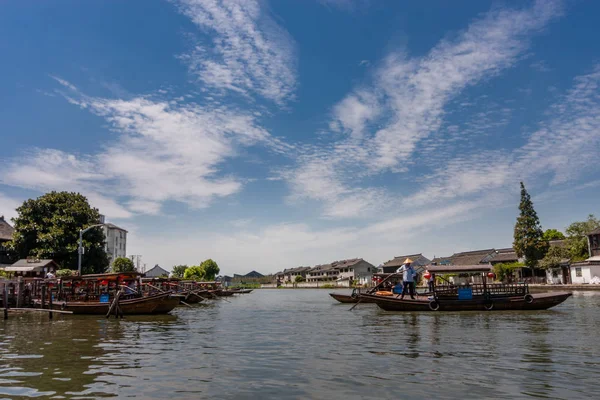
{"x":587,"y":273}
{"x":554,"y":280}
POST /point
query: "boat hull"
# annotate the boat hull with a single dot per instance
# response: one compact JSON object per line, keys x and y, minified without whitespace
{"x":157,"y":304}
{"x":347,"y":299}
{"x":541,"y":301}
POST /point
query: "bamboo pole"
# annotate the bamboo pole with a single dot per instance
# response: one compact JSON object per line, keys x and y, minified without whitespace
{"x":40,"y":310}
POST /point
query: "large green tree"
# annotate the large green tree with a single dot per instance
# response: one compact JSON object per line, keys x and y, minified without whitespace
{"x":553,"y":234}
{"x":178,"y":271}
{"x":123,"y":264}
{"x":195,"y":272}
{"x":48,"y":228}
{"x":554,"y":257}
{"x":211,"y":269}
{"x":577,"y":237}
{"x":528,"y":235}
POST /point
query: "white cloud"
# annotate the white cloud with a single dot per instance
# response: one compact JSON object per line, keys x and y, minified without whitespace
{"x":407,"y":103}
{"x":250,"y":52}
{"x":8,"y":206}
{"x":163,"y":151}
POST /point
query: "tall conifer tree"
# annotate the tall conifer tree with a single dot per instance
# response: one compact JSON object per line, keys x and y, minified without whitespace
{"x":528,"y":237}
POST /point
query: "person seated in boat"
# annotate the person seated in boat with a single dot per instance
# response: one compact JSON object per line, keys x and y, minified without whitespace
{"x":408,"y":278}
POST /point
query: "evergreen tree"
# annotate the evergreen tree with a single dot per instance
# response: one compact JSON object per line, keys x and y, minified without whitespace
{"x":528,"y":237}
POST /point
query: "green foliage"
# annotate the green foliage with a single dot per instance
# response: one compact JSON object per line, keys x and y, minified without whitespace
{"x":528,"y":236}
{"x":123,"y":264}
{"x":211,"y":269}
{"x":178,"y":271}
{"x":577,"y":237}
{"x":3,"y":274}
{"x":299,"y":278}
{"x":48,"y":228}
{"x":553,"y":234}
{"x":554,"y":256}
{"x":64,"y":273}
{"x":195,"y":272}
{"x":504,"y":271}
{"x":328,"y":286}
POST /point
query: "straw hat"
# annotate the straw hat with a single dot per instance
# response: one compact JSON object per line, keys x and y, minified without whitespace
{"x":408,"y":261}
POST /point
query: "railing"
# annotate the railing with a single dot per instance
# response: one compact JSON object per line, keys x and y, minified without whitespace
{"x":478,"y":289}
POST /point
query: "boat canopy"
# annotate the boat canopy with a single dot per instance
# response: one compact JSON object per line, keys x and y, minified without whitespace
{"x":455,"y":269}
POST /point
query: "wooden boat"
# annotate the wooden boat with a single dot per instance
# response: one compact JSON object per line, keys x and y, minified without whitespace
{"x":222,"y":292}
{"x":157,"y":304}
{"x":386,"y":278}
{"x":541,"y":301}
{"x":347,"y":298}
{"x":471,"y":296}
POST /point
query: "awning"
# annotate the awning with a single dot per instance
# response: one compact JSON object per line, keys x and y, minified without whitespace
{"x":23,"y":269}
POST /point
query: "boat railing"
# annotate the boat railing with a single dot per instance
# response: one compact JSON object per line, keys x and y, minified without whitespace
{"x":479,"y":289}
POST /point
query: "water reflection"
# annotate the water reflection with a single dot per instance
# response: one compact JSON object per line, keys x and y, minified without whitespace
{"x":297,"y":344}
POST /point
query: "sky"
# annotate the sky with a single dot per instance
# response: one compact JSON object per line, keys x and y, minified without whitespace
{"x":274,"y":134}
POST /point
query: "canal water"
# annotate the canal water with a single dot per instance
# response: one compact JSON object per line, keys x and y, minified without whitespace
{"x":301,"y":344}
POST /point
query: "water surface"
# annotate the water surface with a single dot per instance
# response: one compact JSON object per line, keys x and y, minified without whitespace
{"x":301,"y":344}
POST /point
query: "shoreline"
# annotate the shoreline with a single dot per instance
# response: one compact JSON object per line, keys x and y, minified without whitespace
{"x":533,"y":287}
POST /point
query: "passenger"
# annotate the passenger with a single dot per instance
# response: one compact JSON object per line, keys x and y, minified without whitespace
{"x":431,"y":282}
{"x":408,"y":276}
{"x":50,"y":275}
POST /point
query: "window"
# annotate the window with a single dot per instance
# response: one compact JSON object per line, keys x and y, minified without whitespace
{"x":578,"y":272}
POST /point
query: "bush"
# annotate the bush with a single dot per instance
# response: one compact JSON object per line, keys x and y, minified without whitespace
{"x":64,"y":273}
{"x":504,"y":271}
{"x":328,"y":286}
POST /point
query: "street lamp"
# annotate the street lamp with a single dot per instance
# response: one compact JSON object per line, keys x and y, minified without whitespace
{"x":80,"y":248}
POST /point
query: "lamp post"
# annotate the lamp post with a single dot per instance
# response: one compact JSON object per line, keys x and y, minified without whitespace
{"x":80,"y":247}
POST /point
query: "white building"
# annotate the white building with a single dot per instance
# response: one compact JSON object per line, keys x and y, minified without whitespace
{"x":587,"y":271}
{"x":116,"y":241}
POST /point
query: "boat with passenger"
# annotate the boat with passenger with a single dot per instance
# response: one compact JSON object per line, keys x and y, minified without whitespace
{"x":474,"y":293}
{"x":386,"y":284}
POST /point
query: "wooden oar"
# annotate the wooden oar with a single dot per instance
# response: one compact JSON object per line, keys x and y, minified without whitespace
{"x":374,"y":289}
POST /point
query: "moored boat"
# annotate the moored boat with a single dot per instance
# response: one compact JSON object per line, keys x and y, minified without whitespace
{"x":158,"y":304}
{"x":471,"y":296}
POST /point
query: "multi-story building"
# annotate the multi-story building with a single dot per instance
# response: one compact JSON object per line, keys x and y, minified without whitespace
{"x":116,"y":241}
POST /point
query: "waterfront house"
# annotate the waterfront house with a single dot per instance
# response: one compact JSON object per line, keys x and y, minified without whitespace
{"x":588,"y":271}
{"x":322,"y":273}
{"x":506,"y":256}
{"x":561,"y":274}
{"x":6,"y":232}
{"x":472,"y":257}
{"x":115,"y":242}
{"x":441,"y":260}
{"x":32,"y":267}
{"x":156,"y":272}
{"x":289,"y":275}
{"x":354,"y":271}
{"x":418,"y":262}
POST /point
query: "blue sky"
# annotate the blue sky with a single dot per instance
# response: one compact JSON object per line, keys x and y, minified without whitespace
{"x":268,"y":135}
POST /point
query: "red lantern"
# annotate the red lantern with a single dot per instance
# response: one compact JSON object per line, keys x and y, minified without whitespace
{"x":104,"y":282}
{"x":491,"y":275}
{"x":427,"y":275}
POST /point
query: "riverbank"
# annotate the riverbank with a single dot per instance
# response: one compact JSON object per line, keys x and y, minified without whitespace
{"x":533,"y":287}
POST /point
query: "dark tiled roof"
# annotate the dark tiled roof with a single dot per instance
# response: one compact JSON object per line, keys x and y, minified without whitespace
{"x":253,"y":274}
{"x":449,"y":269}
{"x":558,"y":243}
{"x":595,"y":231}
{"x":156,"y":271}
{"x":6,"y":230}
{"x":399,"y":260}
{"x":472,"y":257}
{"x":504,"y":257}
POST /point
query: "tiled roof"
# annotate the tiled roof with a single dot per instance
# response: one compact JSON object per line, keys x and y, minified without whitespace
{"x":6,"y":230}
{"x":399,"y":260}
{"x":472,"y":257}
{"x":595,"y":231}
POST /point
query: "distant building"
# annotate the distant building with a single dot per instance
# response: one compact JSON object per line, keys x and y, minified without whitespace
{"x":116,"y":242}
{"x":473,"y":257}
{"x":505,"y":256}
{"x":594,"y":242}
{"x":6,"y":232}
{"x":418,"y":260}
{"x":156,"y":272}
{"x":588,"y":271}
{"x":30,"y":267}
{"x":343,"y":272}
{"x":290,"y":274}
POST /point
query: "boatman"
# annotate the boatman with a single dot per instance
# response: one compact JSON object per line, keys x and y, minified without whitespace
{"x":408,"y":277}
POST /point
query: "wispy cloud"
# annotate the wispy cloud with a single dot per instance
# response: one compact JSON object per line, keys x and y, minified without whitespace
{"x":8,"y":206}
{"x":250,"y":53}
{"x":406,"y":104}
{"x":164,"y":151}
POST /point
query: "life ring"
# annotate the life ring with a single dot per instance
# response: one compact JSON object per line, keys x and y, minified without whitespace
{"x":528,"y":299}
{"x":434,"y":305}
{"x":488,"y":305}
{"x":63,"y":305}
{"x":520,"y":290}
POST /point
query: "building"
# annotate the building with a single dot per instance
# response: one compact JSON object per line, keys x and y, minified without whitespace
{"x":588,"y":271}
{"x":31,"y":267}
{"x":156,"y":272}
{"x":505,"y":256}
{"x":6,"y":232}
{"x":473,"y":257}
{"x":115,"y":242}
{"x":354,"y":271}
{"x":343,"y":272}
{"x":419,"y":260}
{"x":290,"y":274}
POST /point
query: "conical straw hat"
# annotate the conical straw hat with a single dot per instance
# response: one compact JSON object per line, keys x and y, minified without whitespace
{"x":408,"y":261}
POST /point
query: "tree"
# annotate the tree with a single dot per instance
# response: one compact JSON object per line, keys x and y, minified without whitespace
{"x":195,"y":272}
{"x":528,"y":236}
{"x":553,"y":234}
{"x":554,"y":257}
{"x":577,"y":237}
{"x":178,"y":271}
{"x":48,"y":228}
{"x":123,"y":264}
{"x":505,"y":271}
{"x":299,"y":278}
{"x":211,"y":269}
